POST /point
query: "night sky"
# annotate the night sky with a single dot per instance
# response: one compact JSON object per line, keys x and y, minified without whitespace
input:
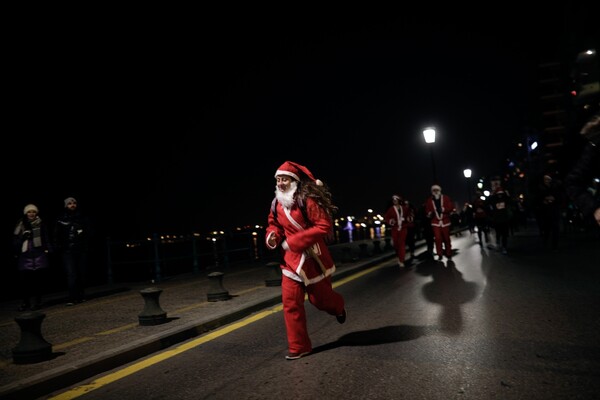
{"x":169,"y":124}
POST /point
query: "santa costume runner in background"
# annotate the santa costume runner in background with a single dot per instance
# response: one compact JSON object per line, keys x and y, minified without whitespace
{"x":438,"y":208}
{"x":397,"y":218}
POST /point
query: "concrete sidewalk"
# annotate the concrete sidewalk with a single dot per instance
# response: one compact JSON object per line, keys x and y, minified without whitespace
{"x":124,"y":322}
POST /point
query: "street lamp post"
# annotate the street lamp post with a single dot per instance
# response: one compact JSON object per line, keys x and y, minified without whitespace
{"x":467,"y":173}
{"x":429,"y":135}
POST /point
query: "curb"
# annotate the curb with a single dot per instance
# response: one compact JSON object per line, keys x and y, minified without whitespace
{"x":62,"y":377}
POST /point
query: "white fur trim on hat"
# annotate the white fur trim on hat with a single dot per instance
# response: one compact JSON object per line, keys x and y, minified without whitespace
{"x":288,"y":173}
{"x":297,"y":171}
{"x":30,"y":207}
{"x":436,"y":187}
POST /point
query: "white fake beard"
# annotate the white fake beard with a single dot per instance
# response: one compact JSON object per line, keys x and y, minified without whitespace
{"x":286,"y":199}
{"x":437,"y":196}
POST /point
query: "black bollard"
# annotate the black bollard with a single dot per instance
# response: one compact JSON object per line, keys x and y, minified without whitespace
{"x":376,"y":247}
{"x":346,"y":255}
{"x":32,"y":347}
{"x":152,"y":313}
{"x":273,"y":274}
{"x":364,"y":250}
{"x":216,"y":292}
{"x":388,"y":244}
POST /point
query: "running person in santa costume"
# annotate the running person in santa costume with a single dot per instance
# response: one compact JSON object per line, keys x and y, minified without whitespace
{"x":299,"y":221}
{"x":397,"y":217}
{"x":438,"y":208}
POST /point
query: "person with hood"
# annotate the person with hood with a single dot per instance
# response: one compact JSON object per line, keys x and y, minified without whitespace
{"x":300,"y":221}
{"x":31,"y":245}
{"x":71,"y":239}
{"x":438,"y":208}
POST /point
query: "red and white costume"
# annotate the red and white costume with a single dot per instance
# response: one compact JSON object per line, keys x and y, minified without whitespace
{"x":307,"y":265}
{"x":397,"y":217}
{"x":440,"y":221}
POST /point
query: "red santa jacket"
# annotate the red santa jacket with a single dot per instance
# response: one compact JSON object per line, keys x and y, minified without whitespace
{"x":440,"y":218}
{"x":399,"y":217}
{"x":306,"y":257}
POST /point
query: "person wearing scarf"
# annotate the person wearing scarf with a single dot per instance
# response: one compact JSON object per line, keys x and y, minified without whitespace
{"x":31,"y":246}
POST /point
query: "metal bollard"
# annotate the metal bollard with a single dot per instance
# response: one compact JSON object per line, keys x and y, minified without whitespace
{"x":216,"y":292}
{"x":32,"y":347}
{"x":346,"y":255}
{"x":388,"y":244}
{"x":376,"y":247}
{"x":273,"y":274}
{"x":152,"y":314}
{"x":364,"y":250}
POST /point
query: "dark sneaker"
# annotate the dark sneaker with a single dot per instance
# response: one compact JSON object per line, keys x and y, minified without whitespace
{"x":295,"y":356}
{"x":70,"y":304}
{"x":24,"y":307}
{"x":341,"y":318}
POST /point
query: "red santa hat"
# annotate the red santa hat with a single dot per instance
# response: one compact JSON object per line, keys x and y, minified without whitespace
{"x":297,"y":172}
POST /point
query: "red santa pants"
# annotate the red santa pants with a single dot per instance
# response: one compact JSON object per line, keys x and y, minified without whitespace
{"x":442,"y":236}
{"x":321,"y":295}
{"x":399,"y":241}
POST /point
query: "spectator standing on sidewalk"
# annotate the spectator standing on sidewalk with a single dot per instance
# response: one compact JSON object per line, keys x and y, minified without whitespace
{"x":439,"y":207}
{"x":31,"y":245}
{"x":580,"y":180}
{"x":71,"y":238}
{"x":300,"y":220}
{"x":396,"y":216}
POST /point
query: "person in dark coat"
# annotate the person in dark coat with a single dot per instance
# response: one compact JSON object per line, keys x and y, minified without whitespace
{"x":550,"y":203}
{"x":580,"y":180}
{"x":500,"y":208}
{"x":31,"y":246}
{"x":71,"y":239}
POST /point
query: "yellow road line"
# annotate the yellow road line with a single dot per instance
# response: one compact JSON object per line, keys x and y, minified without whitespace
{"x":166,"y":354}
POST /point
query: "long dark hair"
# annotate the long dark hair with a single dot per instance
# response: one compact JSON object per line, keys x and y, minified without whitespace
{"x":319,"y":193}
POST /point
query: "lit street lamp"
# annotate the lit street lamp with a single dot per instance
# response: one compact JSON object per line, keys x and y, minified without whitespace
{"x":429,"y":135}
{"x":467,"y":173}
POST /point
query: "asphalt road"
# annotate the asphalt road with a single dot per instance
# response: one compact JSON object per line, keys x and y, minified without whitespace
{"x":484,"y":325}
